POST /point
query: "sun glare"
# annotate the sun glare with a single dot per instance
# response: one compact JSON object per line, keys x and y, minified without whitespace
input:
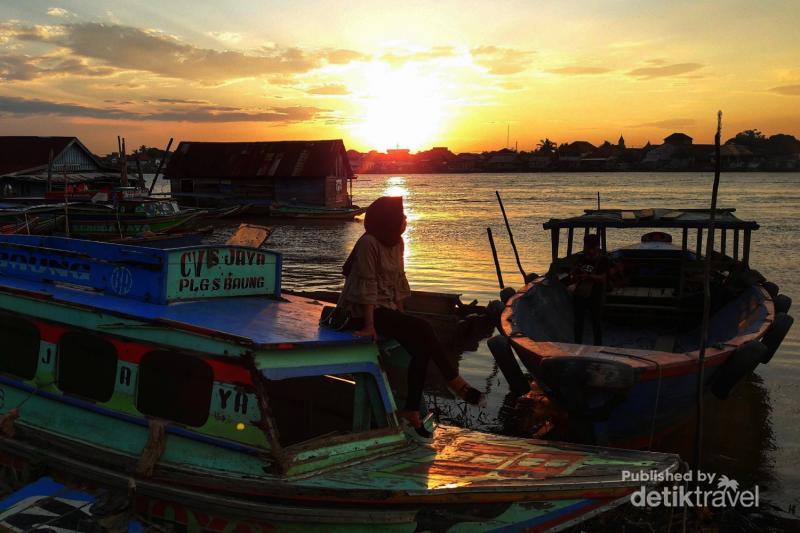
{"x":403,"y":107}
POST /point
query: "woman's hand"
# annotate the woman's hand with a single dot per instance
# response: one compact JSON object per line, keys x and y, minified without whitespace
{"x":367,"y":331}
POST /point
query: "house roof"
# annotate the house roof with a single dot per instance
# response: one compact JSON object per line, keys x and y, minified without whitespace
{"x":259,"y":159}
{"x":576,"y":148}
{"x":652,"y":218}
{"x":19,"y":153}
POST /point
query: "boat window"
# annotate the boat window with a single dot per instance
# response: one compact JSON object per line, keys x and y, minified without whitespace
{"x":87,"y":366}
{"x":175,"y":386}
{"x":19,"y":351}
{"x":316,"y":407}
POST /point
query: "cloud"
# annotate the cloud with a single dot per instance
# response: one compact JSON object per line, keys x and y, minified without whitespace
{"x":668,"y":124}
{"x":59,"y":12}
{"x":787,"y":90}
{"x":129,"y":48}
{"x":329,"y":89}
{"x":663,"y":71}
{"x":501,"y":61}
{"x":577,"y":70}
{"x":25,"y":68}
{"x":400,"y":57}
{"x":181,"y":101}
{"x":341,"y":56}
{"x":14,"y":106}
{"x":225,"y":36}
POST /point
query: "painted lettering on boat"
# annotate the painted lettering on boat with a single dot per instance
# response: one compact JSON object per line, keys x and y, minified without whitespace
{"x":35,"y":264}
{"x":239,"y":402}
{"x":209,"y":272}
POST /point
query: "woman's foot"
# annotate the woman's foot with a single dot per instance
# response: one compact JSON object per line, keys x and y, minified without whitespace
{"x":412,"y":424}
{"x":467,"y":392}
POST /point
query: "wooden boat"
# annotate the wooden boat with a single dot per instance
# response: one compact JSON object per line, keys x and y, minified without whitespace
{"x":131,"y":217}
{"x":642,"y":382}
{"x":278,"y":210}
{"x":187,"y":380}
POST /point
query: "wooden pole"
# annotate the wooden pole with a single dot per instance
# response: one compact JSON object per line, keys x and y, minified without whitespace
{"x":50,"y":172}
{"x":598,"y":200}
{"x":124,"y":175}
{"x":511,"y":237}
{"x":698,"y":436}
{"x":496,"y":261}
{"x":161,"y":164}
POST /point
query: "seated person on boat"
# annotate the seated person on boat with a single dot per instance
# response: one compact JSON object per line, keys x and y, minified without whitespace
{"x":373,"y":296}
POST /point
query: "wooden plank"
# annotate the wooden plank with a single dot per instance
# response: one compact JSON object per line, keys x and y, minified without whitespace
{"x":736,"y":244}
{"x":746,"y":248}
{"x":628,"y":215}
{"x":250,"y":235}
{"x":570,"y":235}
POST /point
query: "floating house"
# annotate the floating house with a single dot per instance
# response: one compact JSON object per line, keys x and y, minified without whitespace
{"x":25,"y":160}
{"x":262,"y":174}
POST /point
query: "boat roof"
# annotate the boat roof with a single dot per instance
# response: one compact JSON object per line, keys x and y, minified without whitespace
{"x":250,"y":320}
{"x":652,"y":218}
{"x":223,"y":290}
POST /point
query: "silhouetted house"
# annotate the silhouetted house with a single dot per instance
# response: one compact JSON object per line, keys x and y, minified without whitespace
{"x":570,"y":155}
{"x":24,"y":165}
{"x":736,"y":157}
{"x":503,"y":160}
{"x":312,"y":173}
{"x":467,"y":162}
{"x":437,"y":159}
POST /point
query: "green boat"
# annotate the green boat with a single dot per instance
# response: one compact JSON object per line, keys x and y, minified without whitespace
{"x":184,"y":379}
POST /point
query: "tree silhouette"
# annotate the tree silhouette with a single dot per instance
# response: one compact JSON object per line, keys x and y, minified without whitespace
{"x":546,"y":146}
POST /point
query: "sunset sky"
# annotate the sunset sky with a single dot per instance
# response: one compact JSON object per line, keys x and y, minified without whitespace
{"x":413,"y":74}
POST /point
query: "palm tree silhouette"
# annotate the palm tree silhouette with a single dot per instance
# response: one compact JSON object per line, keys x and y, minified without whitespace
{"x":726,"y":483}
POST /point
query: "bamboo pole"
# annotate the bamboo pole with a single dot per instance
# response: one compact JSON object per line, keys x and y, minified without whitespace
{"x":496,"y":261}
{"x":698,"y":437}
{"x":511,"y":237}
{"x":160,"y":164}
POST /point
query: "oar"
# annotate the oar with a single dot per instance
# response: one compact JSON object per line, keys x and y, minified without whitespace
{"x":511,"y":237}
{"x":496,"y":261}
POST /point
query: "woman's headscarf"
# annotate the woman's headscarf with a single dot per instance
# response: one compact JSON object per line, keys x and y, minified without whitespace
{"x":383,"y":220}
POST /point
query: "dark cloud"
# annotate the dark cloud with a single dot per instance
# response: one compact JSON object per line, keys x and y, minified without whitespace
{"x":577,"y":70}
{"x":501,"y":61}
{"x":126,"y":47}
{"x":787,"y":90}
{"x":668,"y":124}
{"x":24,"y":68}
{"x":13,"y":106}
{"x":181,"y":101}
{"x":329,"y":89}
{"x":663,"y":71}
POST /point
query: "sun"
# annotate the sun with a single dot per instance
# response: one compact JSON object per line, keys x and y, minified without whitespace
{"x":403,"y":107}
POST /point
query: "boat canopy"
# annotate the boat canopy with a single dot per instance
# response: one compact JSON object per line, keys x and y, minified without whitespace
{"x":660,"y":218}
{"x":652,"y":218}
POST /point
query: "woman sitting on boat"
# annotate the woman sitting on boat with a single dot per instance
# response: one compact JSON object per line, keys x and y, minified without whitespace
{"x":373,"y":295}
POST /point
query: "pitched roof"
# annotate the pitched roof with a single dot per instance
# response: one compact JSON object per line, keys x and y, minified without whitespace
{"x":258,"y":159}
{"x":19,"y":153}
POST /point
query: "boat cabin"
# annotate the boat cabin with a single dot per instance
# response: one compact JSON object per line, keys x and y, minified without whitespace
{"x":658,"y":257}
{"x":199,"y":339}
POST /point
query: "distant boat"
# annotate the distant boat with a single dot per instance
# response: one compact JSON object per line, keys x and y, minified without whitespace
{"x":641,"y":383}
{"x":186,"y":382}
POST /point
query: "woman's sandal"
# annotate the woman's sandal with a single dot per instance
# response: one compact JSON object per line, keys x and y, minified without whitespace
{"x":471,"y":395}
{"x":413,"y":427}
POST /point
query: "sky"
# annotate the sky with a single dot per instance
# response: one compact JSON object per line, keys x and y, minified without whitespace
{"x":471,"y":76}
